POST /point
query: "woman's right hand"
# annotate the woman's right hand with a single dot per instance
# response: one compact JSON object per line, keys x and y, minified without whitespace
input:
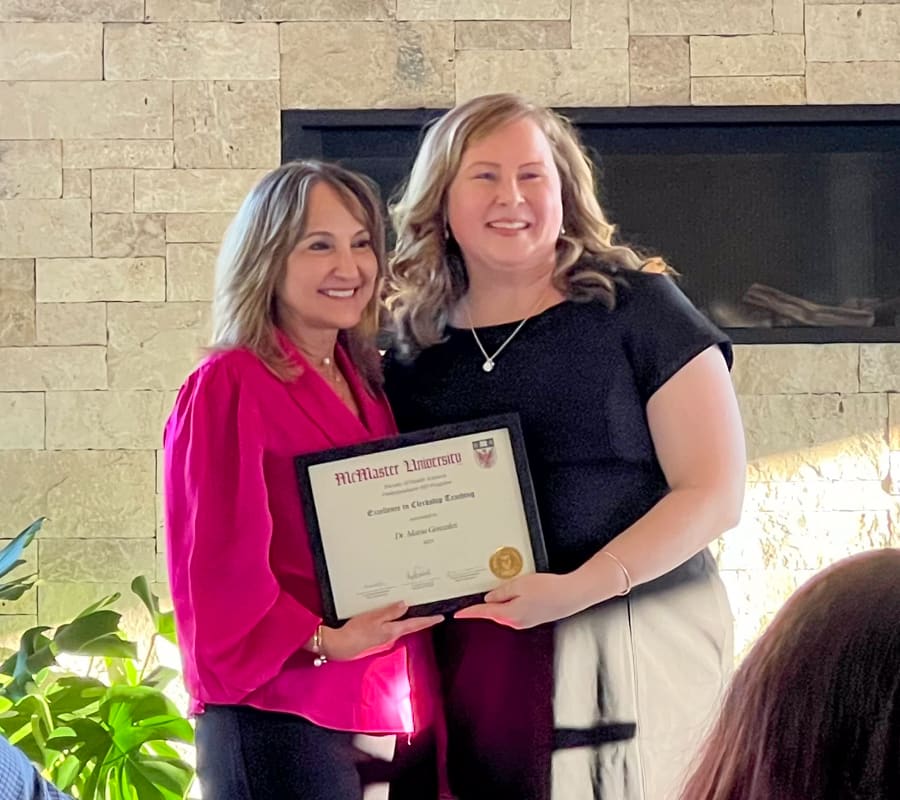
{"x":372,"y":632}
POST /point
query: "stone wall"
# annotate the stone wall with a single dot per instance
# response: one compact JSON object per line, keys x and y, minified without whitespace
{"x":130,"y":130}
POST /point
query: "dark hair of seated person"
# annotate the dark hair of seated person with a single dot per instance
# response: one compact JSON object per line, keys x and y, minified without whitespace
{"x":813,"y":712}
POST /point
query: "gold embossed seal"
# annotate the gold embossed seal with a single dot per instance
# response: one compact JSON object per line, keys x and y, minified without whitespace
{"x":506,"y":562}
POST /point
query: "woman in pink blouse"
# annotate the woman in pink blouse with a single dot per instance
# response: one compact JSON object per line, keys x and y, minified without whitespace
{"x":293,"y":369}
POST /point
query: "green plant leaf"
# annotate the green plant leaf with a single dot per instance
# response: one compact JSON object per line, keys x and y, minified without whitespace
{"x":103,"y":602}
{"x":163,"y":621}
{"x":15,"y":589}
{"x":10,"y":555}
{"x":66,"y":773}
{"x":169,"y":778}
{"x":34,"y":654}
{"x":160,"y":677}
{"x":74,"y":694}
{"x":95,"y":634}
{"x":139,"y":714}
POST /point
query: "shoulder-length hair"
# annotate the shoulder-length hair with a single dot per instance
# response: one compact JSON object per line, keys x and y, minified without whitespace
{"x":426,"y":272}
{"x":813,"y":713}
{"x":253,"y":259}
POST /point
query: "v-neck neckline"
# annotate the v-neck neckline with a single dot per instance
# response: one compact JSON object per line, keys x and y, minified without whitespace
{"x":325,"y":391}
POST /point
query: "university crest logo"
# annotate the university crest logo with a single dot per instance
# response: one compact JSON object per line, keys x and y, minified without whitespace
{"x":485,"y":454}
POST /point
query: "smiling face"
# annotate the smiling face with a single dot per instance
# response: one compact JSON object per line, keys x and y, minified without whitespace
{"x":331,"y":273}
{"x":504,"y":206}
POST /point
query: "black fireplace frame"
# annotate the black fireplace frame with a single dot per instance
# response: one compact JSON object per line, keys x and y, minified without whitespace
{"x":303,"y":129}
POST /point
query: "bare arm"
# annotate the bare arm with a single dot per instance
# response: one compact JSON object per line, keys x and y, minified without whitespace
{"x":699,"y":441}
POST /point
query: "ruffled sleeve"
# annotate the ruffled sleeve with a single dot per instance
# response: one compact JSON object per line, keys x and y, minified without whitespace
{"x":236,"y":625}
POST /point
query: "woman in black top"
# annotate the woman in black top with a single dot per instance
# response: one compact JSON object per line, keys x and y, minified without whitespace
{"x":508,"y":294}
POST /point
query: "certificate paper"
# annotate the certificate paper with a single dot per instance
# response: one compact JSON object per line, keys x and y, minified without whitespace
{"x":435,"y":518}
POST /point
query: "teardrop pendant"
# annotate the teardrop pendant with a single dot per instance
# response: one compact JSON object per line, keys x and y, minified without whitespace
{"x":488,"y":365}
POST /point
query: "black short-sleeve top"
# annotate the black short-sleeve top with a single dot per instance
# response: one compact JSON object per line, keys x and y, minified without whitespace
{"x":579,"y":375}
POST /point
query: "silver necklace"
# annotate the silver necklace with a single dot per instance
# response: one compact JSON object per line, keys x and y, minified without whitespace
{"x":491,"y":360}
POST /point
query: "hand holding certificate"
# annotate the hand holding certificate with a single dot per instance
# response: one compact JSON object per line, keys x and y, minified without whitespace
{"x":434,"y":518}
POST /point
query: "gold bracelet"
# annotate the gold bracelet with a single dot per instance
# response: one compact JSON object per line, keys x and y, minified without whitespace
{"x":320,"y":658}
{"x":628,"y":582}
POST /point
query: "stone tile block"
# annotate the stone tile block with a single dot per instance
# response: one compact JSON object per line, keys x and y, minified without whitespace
{"x":118,"y":154}
{"x":191,"y":51}
{"x":815,"y":437}
{"x":71,"y":10}
{"x":51,"y":52}
{"x":76,"y":182}
{"x":30,"y":169}
{"x":600,"y":24}
{"x":86,"y":110}
{"x":190,"y":271}
{"x":24,"y":224}
{"x":86,"y":495}
{"x":183,"y":10}
{"x":23,"y":421}
{"x":699,"y":17}
{"x":34,"y":369}
{"x":351,"y":71}
{"x":788,"y":16}
{"x":794,"y":369}
{"x":808,"y":540}
{"x":96,"y":560}
{"x":128,"y":235}
{"x":756,"y":596}
{"x":197,"y":227}
{"x":879,"y":367}
{"x":859,"y":83}
{"x":817,"y":495}
{"x":16,"y":302}
{"x":227,"y":124}
{"x":288,"y":10}
{"x":555,"y":77}
{"x":108,"y":420}
{"x":748,"y":91}
{"x":155,"y":345}
{"x":87,"y":280}
{"x":71,"y":323}
{"x":853,"y":33}
{"x":747,"y":55}
{"x":482,"y":9}
{"x":660,"y":69}
{"x":894,"y":422}
{"x":193,"y":190}
{"x":513,"y":35}
{"x":112,"y":190}
{"x":160,"y":461}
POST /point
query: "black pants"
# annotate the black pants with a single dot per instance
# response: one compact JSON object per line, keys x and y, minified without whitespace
{"x":247,"y":754}
{"x":498,"y":698}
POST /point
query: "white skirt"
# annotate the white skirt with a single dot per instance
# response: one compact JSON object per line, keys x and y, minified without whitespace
{"x":659,"y":658}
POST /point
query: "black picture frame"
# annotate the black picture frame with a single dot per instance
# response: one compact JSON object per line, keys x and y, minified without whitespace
{"x":509,"y":421}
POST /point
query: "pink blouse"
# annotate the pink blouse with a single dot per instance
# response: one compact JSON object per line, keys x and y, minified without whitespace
{"x":240,"y":567}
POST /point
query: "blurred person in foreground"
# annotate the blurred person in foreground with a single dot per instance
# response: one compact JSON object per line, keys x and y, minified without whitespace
{"x":813,"y":712}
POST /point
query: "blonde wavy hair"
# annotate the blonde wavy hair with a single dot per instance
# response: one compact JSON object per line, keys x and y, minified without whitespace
{"x":253,"y":258}
{"x":426,"y":273}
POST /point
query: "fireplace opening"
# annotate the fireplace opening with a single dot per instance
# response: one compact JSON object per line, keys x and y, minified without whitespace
{"x":784,"y":222}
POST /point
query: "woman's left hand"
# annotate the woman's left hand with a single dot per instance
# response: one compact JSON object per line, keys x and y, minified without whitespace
{"x":528,"y":601}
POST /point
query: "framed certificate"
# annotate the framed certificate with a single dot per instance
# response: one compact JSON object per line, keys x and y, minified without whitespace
{"x":435,"y":518}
